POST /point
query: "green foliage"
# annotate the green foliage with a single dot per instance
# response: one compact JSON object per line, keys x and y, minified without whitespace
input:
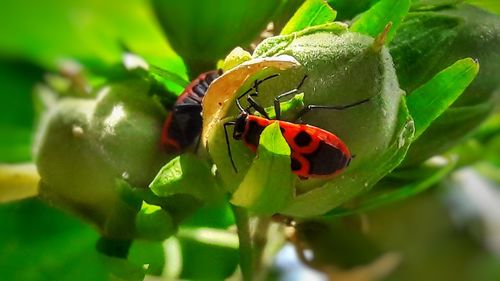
{"x":186,"y":174}
{"x":373,"y":21}
{"x":17,"y":113}
{"x":400,"y":185}
{"x":154,"y":223}
{"x":40,"y":243}
{"x":311,"y":13}
{"x":434,"y":97}
{"x":268,"y":184}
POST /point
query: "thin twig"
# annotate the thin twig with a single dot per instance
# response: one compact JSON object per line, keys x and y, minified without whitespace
{"x":241,"y":218}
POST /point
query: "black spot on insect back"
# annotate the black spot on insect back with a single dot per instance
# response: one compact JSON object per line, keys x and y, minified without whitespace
{"x":326,"y":160}
{"x":302,"y":139}
{"x":296,"y":165}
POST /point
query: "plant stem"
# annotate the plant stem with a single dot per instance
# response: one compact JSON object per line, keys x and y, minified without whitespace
{"x":241,"y":218}
{"x":260,"y":241}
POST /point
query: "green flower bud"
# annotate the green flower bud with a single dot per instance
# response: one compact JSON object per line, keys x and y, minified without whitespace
{"x":86,"y":145}
{"x":203,"y":31}
{"x":342,"y":68}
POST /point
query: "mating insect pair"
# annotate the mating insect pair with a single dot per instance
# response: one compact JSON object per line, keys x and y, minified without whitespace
{"x":314,"y":152}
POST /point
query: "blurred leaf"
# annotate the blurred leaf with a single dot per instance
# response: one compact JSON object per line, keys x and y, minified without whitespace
{"x":18,"y":182}
{"x":489,"y":5}
{"x":93,"y":32}
{"x":311,"y":13}
{"x":17,"y":113}
{"x":122,"y":270}
{"x":434,"y":97}
{"x":429,"y":41}
{"x":334,"y":243}
{"x":433,"y":4}
{"x":148,"y":253}
{"x":347,"y":9}
{"x":449,"y":128}
{"x":386,"y":192}
{"x":266,"y":187}
{"x":215,"y":216}
{"x":186,"y":174}
{"x":208,"y":254}
{"x":203,"y":32}
{"x":38,"y":243}
{"x":374,"y":21}
{"x":154,"y":223}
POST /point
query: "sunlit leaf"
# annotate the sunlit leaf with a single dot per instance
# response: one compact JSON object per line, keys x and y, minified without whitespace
{"x":311,"y":13}
{"x":267,"y":186}
{"x":186,"y":174}
{"x":373,"y":21}
{"x":434,"y":97}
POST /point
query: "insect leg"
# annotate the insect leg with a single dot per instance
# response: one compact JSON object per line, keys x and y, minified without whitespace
{"x":255,"y":105}
{"x":277,"y":100}
{"x":334,"y":107}
{"x":232,"y":123}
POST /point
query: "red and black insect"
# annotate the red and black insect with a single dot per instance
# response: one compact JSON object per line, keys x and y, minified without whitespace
{"x":184,"y":123}
{"x":314,"y":152}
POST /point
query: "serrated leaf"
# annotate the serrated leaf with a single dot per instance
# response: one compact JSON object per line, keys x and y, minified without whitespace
{"x":374,"y":21}
{"x":186,"y":174}
{"x":434,"y":97}
{"x":311,"y":13}
{"x":266,"y":187}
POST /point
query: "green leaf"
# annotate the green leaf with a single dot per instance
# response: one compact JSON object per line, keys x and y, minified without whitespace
{"x":267,"y":186}
{"x":434,"y":97}
{"x":92,"y":31}
{"x":348,"y":9}
{"x":446,"y":131}
{"x":311,"y":13}
{"x":154,"y":223}
{"x":39,"y":243}
{"x":186,"y":174}
{"x":17,"y":112}
{"x":374,"y":21}
{"x":386,"y":192}
{"x":489,"y":5}
{"x":208,"y":254}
